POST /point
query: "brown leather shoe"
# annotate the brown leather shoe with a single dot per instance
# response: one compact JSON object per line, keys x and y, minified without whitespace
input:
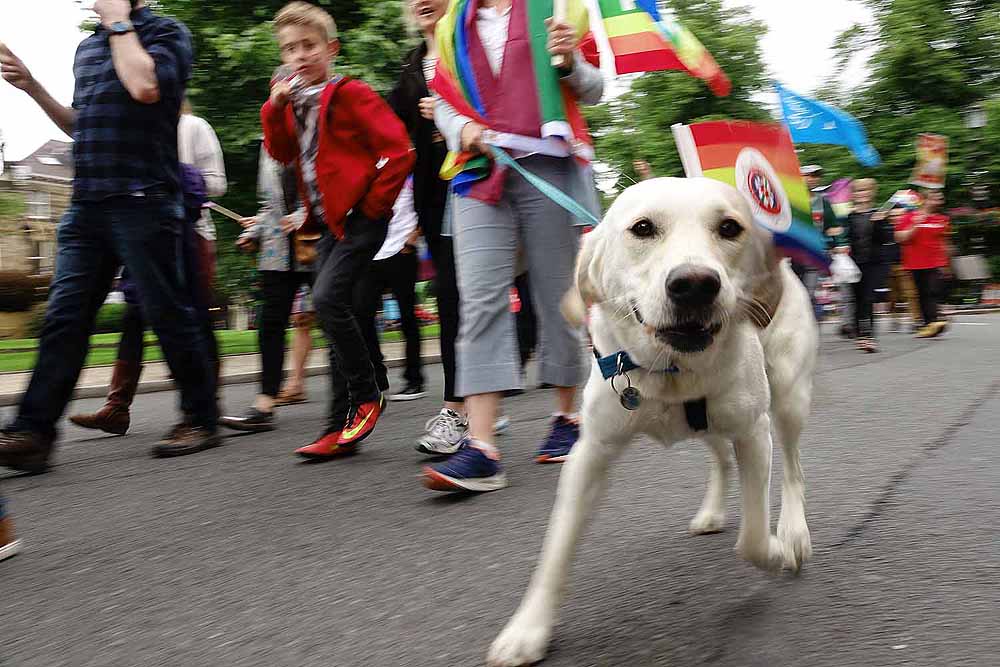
{"x":110,"y":419}
{"x":185,"y":439}
{"x":114,"y":417}
{"x":24,"y":451}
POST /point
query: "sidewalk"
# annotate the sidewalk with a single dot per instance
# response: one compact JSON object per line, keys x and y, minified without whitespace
{"x":236,"y":369}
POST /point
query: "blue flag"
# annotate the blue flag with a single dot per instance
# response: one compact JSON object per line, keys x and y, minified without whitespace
{"x":810,"y":121}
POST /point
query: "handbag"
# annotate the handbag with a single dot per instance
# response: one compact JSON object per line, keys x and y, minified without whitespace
{"x":305,"y":245}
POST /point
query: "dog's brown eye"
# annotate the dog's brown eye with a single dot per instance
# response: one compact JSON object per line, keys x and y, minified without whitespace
{"x":730,"y":229}
{"x":643,"y":229}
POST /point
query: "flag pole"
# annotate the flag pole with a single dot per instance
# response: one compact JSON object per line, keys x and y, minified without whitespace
{"x":559,"y":15}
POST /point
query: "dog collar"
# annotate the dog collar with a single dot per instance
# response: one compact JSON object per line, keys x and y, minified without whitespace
{"x":620,"y":363}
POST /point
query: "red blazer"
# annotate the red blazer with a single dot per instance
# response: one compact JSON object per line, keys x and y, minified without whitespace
{"x":364,"y":152}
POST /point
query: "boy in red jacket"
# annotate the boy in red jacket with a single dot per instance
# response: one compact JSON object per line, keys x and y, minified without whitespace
{"x":352,"y":156}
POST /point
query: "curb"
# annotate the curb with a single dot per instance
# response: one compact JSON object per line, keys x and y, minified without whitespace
{"x":153,"y":386}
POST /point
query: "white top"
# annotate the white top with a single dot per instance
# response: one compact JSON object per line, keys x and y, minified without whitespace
{"x":493,"y":28}
{"x":198,"y":146}
{"x":402,"y":224}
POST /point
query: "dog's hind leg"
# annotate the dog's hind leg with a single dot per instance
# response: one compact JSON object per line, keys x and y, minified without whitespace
{"x":793,"y":531}
{"x":711,"y":518}
{"x":525,"y":639}
{"x":753,"y":456}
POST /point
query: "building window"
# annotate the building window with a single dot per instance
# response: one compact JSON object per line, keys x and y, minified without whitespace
{"x":39,"y":206}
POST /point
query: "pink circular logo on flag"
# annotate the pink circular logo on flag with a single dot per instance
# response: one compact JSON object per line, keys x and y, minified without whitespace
{"x":757,"y":180}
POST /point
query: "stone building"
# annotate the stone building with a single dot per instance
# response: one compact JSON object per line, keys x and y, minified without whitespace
{"x":39,"y":189}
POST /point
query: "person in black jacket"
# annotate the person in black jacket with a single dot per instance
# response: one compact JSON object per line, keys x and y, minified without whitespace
{"x":413,"y":102}
{"x":868,"y":237}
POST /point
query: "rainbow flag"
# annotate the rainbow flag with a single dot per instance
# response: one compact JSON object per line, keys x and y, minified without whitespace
{"x":456,"y":83}
{"x":759,"y":160}
{"x":644,"y":40}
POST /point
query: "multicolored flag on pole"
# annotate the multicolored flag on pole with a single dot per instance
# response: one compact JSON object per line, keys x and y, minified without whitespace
{"x":759,"y":160}
{"x":643,"y":39}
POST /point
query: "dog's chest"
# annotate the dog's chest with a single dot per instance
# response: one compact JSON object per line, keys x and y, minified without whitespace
{"x":673,"y":410}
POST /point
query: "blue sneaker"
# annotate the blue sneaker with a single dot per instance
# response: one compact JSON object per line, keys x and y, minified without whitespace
{"x":558,"y":445}
{"x":469,"y":469}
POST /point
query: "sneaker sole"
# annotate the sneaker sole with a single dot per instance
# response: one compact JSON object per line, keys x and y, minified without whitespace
{"x":545,"y":458}
{"x":344,"y":453}
{"x":424,"y":448}
{"x":247,"y":428}
{"x":407,"y":397}
{"x":10,"y":550}
{"x":436,"y":481}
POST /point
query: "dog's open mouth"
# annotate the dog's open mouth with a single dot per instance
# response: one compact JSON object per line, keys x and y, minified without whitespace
{"x":684,"y":335}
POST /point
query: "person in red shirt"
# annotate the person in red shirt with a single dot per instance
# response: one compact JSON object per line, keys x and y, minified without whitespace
{"x":352,"y":157}
{"x":923,"y":239}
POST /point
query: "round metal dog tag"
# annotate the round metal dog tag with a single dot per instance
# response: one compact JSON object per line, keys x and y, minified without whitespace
{"x":630,"y":398}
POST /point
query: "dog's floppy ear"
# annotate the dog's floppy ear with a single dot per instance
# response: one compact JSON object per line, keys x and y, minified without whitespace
{"x":768,"y":287}
{"x":586,"y":288}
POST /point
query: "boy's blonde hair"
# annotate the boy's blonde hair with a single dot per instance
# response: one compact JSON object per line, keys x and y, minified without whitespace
{"x":306,"y":14}
{"x":866,"y":184}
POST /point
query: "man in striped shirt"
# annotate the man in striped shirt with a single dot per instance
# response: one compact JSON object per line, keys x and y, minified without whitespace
{"x":126,"y":210}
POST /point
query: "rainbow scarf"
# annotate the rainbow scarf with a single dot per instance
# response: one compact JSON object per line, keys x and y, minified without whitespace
{"x":644,"y":40}
{"x":759,"y":160}
{"x":456,"y":82}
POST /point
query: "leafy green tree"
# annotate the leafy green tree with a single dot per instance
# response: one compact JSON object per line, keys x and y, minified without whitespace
{"x":932,"y":61}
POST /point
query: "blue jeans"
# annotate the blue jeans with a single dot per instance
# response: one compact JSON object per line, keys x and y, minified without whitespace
{"x":94,"y":239}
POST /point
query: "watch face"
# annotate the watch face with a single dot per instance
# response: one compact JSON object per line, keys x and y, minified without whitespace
{"x":121,"y":27}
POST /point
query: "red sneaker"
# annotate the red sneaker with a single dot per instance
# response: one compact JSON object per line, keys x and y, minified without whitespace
{"x":326,"y":448}
{"x":361,"y":422}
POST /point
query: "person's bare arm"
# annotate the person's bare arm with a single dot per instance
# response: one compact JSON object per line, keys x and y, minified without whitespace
{"x":136,"y":69}
{"x":17,"y":74}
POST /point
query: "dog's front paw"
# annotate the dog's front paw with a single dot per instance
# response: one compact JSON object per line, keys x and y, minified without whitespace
{"x":795,"y":543}
{"x":706,"y":522}
{"x":767,"y":554}
{"x":523,"y":642}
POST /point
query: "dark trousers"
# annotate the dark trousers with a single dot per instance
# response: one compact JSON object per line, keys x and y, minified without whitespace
{"x":342,"y":263}
{"x":277,"y":295}
{"x":94,"y":239}
{"x":872,"y":278}
{"x":198,"y":260}
{"x":526,"y":321}
{"x":399,"y":274}
{"x":928,"y":282}
{"x":445,"y":291}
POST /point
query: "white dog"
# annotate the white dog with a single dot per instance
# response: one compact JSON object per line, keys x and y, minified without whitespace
{"x":716,"y":338}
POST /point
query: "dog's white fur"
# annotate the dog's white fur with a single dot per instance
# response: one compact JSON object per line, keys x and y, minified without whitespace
{"x":753,"y":380}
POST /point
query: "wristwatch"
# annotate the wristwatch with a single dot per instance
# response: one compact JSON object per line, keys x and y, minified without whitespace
{"x":121,"y":28}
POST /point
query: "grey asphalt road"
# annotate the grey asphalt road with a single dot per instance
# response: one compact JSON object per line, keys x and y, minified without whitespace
{"x":243,"y":556}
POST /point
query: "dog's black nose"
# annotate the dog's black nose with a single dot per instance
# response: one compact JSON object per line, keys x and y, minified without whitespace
{"x":692,"y":286}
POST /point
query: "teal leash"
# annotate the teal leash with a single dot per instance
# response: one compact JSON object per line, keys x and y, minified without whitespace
{"x":552,"y":192}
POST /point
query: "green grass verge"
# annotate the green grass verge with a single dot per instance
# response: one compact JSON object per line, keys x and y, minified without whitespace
{"x":19,"y":355}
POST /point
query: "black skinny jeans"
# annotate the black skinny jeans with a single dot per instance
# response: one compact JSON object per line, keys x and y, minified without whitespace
{"x":277,"y":292}
{"x":342,"y":264}
{"x":445,"y":291}
{"x":399,"y":274}
{"x":872,"y":278}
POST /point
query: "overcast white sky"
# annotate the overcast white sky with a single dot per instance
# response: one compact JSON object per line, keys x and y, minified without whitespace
{"x":44,"y":34}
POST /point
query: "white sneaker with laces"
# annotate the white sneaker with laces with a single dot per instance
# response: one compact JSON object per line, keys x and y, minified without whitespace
{"x":445,"y":432}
